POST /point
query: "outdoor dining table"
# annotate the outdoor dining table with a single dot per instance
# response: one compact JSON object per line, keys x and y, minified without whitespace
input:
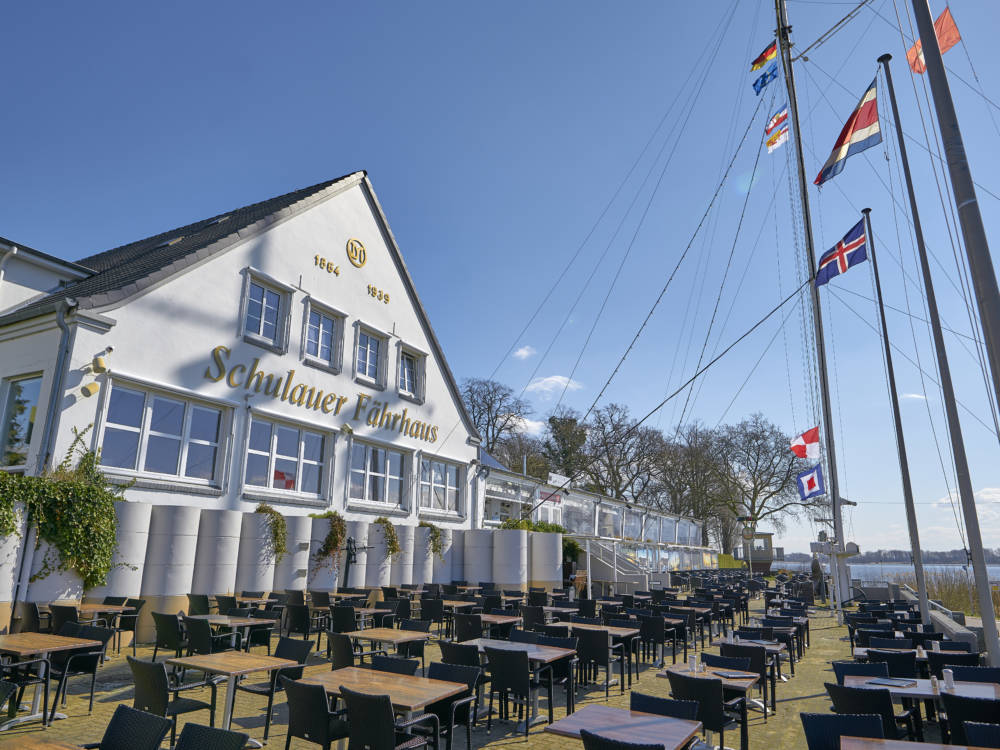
{"x":389,"y":635}
{"x":627,"y":726}
{"x":364,"y":614}
{"x":732,"y":679}
{"x":231,"y":664}
{"x":861,"y":652}
{"x":469,"y":588}
{"x":257,"y":601}
{"x":27,"y":742}
{"x":38,"y":645}
{"x":454,"y":604}
{"x":921,"y":689}
{"x":243,"y":624}
{"x":864,"y":743}
{"x":492,"y":620}
{"x":408,"y":693}
{"x":618,"y":635}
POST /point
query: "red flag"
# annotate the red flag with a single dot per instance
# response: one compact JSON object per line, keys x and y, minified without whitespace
{"x":947,"y":36}
{"x":806,"y":445}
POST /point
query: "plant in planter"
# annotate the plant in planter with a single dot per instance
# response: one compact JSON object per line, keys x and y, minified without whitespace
{"x":392,"y":547}
{"x":571,"y":549}
{"x":279,"y":530}
{"x":333,"y":542}
{"x":435,"y":542}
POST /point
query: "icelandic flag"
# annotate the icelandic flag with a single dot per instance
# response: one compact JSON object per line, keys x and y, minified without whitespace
{"x":765,"y":78}
{"x":811,"y":482}
{"x":850,"y":251}
{"x":860,"y":132}
{"x":806,"y":445}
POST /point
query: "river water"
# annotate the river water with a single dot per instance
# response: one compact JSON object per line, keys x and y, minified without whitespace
{"x":888,"y":571}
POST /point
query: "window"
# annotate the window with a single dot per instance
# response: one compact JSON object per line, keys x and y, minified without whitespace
{"x":438,"y":485}
{"x":320,"y":336}
{"x":265,"y":311}
{"x":19,"y":420}
{"x":153,"y":433}
{"x":408,"y":374}
{"x":368,"y":355}
{"x":284,"y":458}
{"x":376,"y":475}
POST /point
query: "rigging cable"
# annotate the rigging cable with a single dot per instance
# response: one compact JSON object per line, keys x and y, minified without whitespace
{"x":829,"y":33}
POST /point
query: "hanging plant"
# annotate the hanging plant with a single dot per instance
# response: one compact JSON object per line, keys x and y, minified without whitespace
{"x":334,"y":540}
{"x":279,"y":530}
{"x":571,"y":549}
{"x":435,"y":541}
{"x":72,"y":509}
{"x":392,"y":547}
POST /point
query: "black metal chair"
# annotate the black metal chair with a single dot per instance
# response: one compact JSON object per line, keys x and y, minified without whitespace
{"x":976,"y":674}
{"x":372,"y":723}
{"x":301,"y":621}
{"x":287,"y":648}
{"x":901,"y":663}
{"x":468,"y":627}
{"x":595,"y":649}
{"x":859,"y":668}
{"x":414,"y":649}
{"x":31,"y":619}
{"x":883,"y":643}
{"x":309,"y":715}
{"x":961,"y":710}
{"x":938,"y":661}
{"x":168,"y":634}
{"x":225,"y":602}
{"x":252,"y":594}
{"x":77,"y":662}
{"x":714,"y":712}
{"x":23,"y":674}
{"x":198,"y":604}
{"x":63,"y":613}
{"x":523,"y":636}
{"x":760,"y":663}
{"x":260,"y":635}
{"x":955,"y":646}
{"x":130,"y":729}
{"x":653,"y":632}
{"x":823,"y":731}
{"x":593,"y":741}
{"x":851,"y":700}
{"x":980,"y":734}
{"x":563,"y":671}
{"x":340,"y":650}
{"x":395,"y":665}
{"x":532,"y":616}
{"x":538,"y":599}
{"x":511,"y":677}
{"x":652,"y":704}
{"x":201,"y":639}
{"x":433,"y":609}
{"x":198,"y":737}
{"x":457,"y":710}
{"x":153,"y":690}
{"x":127,"y":622}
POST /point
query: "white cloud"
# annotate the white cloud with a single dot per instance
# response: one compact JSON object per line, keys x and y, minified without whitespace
{"x":547,"y":386}
{"x":917,"y":396}
{"x":525,"y":351}
{"x":532,"y":427}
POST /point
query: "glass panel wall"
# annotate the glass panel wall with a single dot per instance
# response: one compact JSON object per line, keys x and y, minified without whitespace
{"x":578,"y":515}
{"x":609,"y":521}
{"x":668,"y":530}
{"x":633,"y":524}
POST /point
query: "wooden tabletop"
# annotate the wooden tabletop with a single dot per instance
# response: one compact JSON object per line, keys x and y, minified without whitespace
{"x":501,"y":619}
{"x":231,"y":663}
{"x":922,"y":689}
{"x":615,"y":632}
{"x":543,"y":654}
{"x":368,"y":611}
{"x":90,"y":608}
{"x":233,"y":622}
{"x":407,"y":693}
{"x":736,"y":683}
{"x":32,"y":644}
{"x":469,"y":588}
{"x":29,"y":742}
{"x":771,"y":648}
{"x":627,"y":726}
{"x":567,"y":610}
{"x":389,"y":635}
{"x":454,"y":604}
{"x":859,"y":743}
{"x":254,"y":599}
{"x":861,"y":652}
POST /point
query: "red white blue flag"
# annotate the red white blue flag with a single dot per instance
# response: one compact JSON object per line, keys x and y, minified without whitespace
{"x":850,"y":251}
{"x":860,"y":132}
{"x":810,"y":482}
{"x":776,"y":130}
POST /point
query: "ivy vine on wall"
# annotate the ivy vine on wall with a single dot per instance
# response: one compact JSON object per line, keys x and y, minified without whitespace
{"x":333,"y":542}
{"x":279,"y":530}
{"x":435,"y":541}
{"x":392,"y":547}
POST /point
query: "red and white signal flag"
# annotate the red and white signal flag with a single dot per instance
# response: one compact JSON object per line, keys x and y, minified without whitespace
{"x":806,"y":445}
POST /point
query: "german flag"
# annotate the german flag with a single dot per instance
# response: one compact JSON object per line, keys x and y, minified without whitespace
{"x":765,"y":57}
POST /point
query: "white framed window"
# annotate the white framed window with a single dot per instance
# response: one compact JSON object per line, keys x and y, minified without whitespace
{"x":439,"y":485}
{"x":284,"y":458}
{"x":19,"y":411}
{"x":376,"y":474}
{"x":410,"y":373}
{"x":154,"y":433}
{"x":371,"y":352}
{"x":265,"y":311}
{"x":323,"y":337}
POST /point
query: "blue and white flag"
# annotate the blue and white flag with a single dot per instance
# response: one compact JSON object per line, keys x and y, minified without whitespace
{"x":769,"y":74}
{"x":811,"y":482}
{"x":850,"y":251}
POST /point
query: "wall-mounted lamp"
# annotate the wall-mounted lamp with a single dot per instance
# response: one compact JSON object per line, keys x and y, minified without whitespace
{"x":90,"y":389}
{"x":347,"y":429}
{"x":98,"y":364}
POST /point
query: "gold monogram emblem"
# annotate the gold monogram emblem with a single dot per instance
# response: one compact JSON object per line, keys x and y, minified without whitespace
{"x":356,"y":253}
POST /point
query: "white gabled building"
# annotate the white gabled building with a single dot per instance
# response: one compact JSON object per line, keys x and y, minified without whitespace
{"x":277,"y":352}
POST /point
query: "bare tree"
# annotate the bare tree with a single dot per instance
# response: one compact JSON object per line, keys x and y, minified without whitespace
{"x":496,"y":411}
{"x":620,"y":459}
{"x":517,"y":450}
{"x":691,"y":471}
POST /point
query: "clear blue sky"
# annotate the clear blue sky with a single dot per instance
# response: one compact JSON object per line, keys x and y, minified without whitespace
{"x":495,"y":135}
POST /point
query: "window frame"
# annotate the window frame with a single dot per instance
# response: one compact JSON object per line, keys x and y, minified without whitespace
{"x":282,"y":495}
{"x":460,"y":480}
{"x":379,"y":381}
{"x":380,"y":506}
{"x":285,"y":294}
{"x":222,"y":446}
{"x":335,"y":366}
{"x":419,"y":357}
{"x":5,"y":393}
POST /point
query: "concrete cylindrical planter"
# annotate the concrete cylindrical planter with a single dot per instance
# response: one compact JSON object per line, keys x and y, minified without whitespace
{"x":358,"y":574}
{"x":402,"y":564}
{"x":442,"y":565}
{"x":546,"y":559}
{"x":58,"y":584}
{"x":478,"y":545}
{"x":379,"y":565}
{"x":10,"y":555}
{"x":423,"y":558}
{"x":292,"y":570}
{"x":255,"y":566}
{"x":218,"y":550}
{"x":169,"y":570}
{"x":129,"y":560}
{"x":323,"y":574}
{"x":510,"y":559}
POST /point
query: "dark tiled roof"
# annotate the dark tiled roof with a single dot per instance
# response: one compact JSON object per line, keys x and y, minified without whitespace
{"x":125,"y":270}
{"x":51,"y":258}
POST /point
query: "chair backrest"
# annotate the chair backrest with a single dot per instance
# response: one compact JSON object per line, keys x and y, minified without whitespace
{"x":537,"y":598}
{"x":756,"y":654}
{"x":321,"y":599}
{"x":151,"y":686}
{"x":938,"y":661}
{"x":557,"y":630}
{"x":117,"y":601}
{"x":199,"y":635}
{"x":371,"y":720}
{"x":492,"y":601}
{"x":128,"y":621}
{"x":296,"y":596}
{"x":593,"y":645}
{"x":852,"y":700}
{"x":961,"y":709}
{"x":741,"y":663}
{"x":980,"y":734}
{"x":587,"y":608}
{"x":593,"y":741}
{"x":341,"y":650}
{"x":652,"y":704}
{"x":460,"y":653}
{"x":432,"y":609}
{"x":131,"y":729}
{"x":874,"y":642}
{"x":226,"y":602}
{"x":343,"y":619}
{"x":861,"y":668}
{"x":168,"y":630}
{"x":509,"y":670}
{"x":468,"y":627}
{"x":308,"y":711}
{"x":63,"y":613}
{"x":417,"y":626}
{"x":976,"y":674}
{"x":901,"y":663}
{"x":295,"y":649}
{"x":390,"y":592}
{"x":705,"y":692}
{"x":523,"y":636}
{"x":823,"y":731}
{"x":955,"y":646}
{"x":252,"y":594}
{"x":198,"y":604}
{"x":198,"y":737}
{"x":581,"y":620}
{"x":395,"y":665}
{"x":533,"y":616}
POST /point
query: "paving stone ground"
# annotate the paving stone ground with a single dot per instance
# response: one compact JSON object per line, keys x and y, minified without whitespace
{"x":804,"y":692}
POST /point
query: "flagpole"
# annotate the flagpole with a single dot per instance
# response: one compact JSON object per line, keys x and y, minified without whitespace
{"x":838,"y":569}
{"x":904,"y":465}
{"x":965,"y":492}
